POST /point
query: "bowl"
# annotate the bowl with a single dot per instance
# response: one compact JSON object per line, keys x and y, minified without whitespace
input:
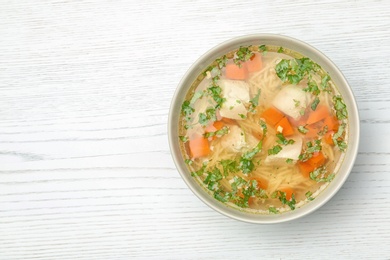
{"x":304,"y":49}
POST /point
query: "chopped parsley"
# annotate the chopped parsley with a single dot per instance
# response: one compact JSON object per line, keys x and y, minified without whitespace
{"x":281,"y":195}
{"x":222,"y":61}
{"x":243,"y":54}
{"x":312,"y":87}
{"x":312,"y":147}
{"x":210,"y":115}
{"x":295,"y":70}
{"x":212,"y":179}
{"x":223,"y":131}
{"x":303,"y":129}
{"x":215,"y":92}
{"x":200,"y":171}
{"x":340,"y":107}
{"x":222,"y":195}
{"x":297,"y":102}
{"x":186,"y":109}
{"x":184,"y":139}
{"x":320,"y":175}
{"x":289,"y":160}
{"x":242,"y":116}
{"x":188,"y":161}
{"x":308,"y":195}
{"x":254,"y":102}
{"x":282,"y":140}
{"x":280,"y":50}
{"x":323,"y":131}
{"x":196,"y":96}
{"x":246,"y":164}
{"x":325,"y":83}
{"x":238,"y":183}
{"x":229,"y":166}
{"x":315,"y":103}
{"x":273,"y":210}
{"x":274,"y":150}
{"x":263,"y":48}
{"x":264,"y":126}
{"x":337,"y":138}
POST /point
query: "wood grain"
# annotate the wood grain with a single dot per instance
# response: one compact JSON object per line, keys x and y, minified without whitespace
{"x":85,"y":167}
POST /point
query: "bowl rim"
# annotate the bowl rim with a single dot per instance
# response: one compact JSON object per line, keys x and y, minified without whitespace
{"x":291,"y":215}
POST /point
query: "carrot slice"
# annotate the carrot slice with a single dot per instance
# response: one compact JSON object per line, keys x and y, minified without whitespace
{"x":235,"y":72}
{"x":317,"y":115}
{"x":255,"y":63}
{"x":328,"y":138}
{"x":272,"y":116}
{"x":261,"y":182}
{"x":317,"y":160}
{"x":288,"y":192}
{"x":287,"y":128}
{"x":305,"y":168}
{"x":332,"y":123}
{"x":218,"y":125}
{"x":199,"y":147}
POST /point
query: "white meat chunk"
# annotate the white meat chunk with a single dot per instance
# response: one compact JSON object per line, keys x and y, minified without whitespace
{"x":291,"y":100}
{"x":236,"y":93}
{"x":236,"y":140}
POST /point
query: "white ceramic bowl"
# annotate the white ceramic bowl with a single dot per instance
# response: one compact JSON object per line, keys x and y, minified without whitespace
{"x":306,"y":50}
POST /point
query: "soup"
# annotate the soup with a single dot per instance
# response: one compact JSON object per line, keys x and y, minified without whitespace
{"x":263,"y":129}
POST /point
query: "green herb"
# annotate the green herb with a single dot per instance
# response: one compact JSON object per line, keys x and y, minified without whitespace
{"x":280,"y":50}
{"x":303,"y":129}
{"x":186,"y":109}
{"x":238,"y":182}
{"x":208,"y":69}
{"x":213,"y":178}
{"x":223,"y":131}
{"x":338,"y":140}
{"x":215,"y":80}
{"x":200,"y":171}
{"x":273,"y":210}
{"x":222,"y":61}
{"x":323,"y":131}
{"x":302,"y":112}
{"x":196,"y":96}
{"x":262,"y":48}
{"x":209,"y":116}
{"x":246,"y":165}
{"x":312,"y":87}
{"x":184,"y":139}
{"x":264,"y":126}
{"x":242,"y":116}
{"x":274,"y":150}
{"x":238,"y":101}
{"x":229,"y":166}
{"x":188,"y":127}
{"x":282,"y":140}
{"x":203,"y":119}
{"x":282,"y":197}
{"x":222,"y":195}
{"x":188,"y":161}
{"x":249,"y":155}
{"x":320,"y":175}
{"x":311,"y":148}
{"x":315,"y":103}
{"x":288,"y":160}
{"x":324,"y":83}
{"x":308,"y":195}
{"x":262,"y":194}
{"x":340,"y":107}
{"x":297,"y":102}
{"x":215,"y":93}
{"x":254,"y":102}
{"x":295,"y":70}
{"x":243,"y":54}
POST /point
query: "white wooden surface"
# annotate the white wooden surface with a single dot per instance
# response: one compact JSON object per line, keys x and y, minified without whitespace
{"x":85,"y":167}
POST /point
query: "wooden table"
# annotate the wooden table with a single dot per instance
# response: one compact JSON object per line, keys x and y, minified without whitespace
{"x":85,"y":167}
